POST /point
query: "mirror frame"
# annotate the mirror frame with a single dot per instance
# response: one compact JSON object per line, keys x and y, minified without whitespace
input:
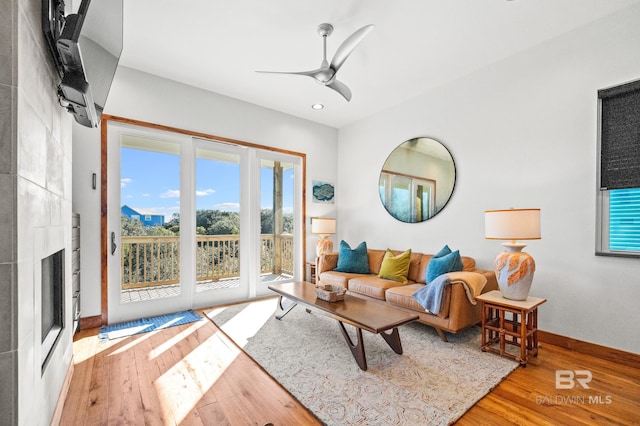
{"x":418,"y":165}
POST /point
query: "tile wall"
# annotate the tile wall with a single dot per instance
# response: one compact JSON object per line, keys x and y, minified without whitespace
{"x":35,"y":213}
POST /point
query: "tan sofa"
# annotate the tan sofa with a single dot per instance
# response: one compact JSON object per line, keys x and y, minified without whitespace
{"x":457,"y":312}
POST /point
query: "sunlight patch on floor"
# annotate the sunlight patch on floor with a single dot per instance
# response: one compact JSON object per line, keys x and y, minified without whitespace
{"x":216,"y":311}
{"x":156,"y":352}
{"x":246,"y":323}
{"x":184,"y":385}
{"x":137,"y":339}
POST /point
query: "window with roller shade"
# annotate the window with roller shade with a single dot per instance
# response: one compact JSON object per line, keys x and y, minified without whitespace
{"x":624,"y":219}
{"x":618,"y":209}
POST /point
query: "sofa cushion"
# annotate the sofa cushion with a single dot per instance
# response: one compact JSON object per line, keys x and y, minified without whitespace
{"x":441,"y":265}
{"x":395,"y":267}
{"x":402,"y":296}
{"x":336,"y":278}
{"x":375,"y":260}
{"x":371,"y":285}
{"x":356,"y":260}
{"x":414,"y":267}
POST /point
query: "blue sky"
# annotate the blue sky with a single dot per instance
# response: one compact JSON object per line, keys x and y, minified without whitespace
{"x":150,"y":183}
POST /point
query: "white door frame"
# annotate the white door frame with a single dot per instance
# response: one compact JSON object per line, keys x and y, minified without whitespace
{"x":243,"y":292}
{"x":298,"y":272}
{"x":249,"y":223}
{"x":118,"y":311}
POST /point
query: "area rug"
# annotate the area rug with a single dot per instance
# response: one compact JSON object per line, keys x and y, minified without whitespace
{"x":143,"y":325}
{"x":431,"y":383}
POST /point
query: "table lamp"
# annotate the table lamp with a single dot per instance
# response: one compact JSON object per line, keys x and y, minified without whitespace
{"x":323,"y":226}
{"x":514,"y":267}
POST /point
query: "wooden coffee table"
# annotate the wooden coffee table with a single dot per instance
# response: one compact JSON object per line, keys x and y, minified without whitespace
{"x":362,"y":314}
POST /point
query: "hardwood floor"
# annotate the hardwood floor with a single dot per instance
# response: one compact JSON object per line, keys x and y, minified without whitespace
{"x":529,"y":395}
{"x":193,"y":374}
{"x":188,"y":375}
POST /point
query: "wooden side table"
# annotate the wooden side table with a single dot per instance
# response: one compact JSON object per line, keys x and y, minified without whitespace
{"x":520,"y":328}
{"x":312,"y":272}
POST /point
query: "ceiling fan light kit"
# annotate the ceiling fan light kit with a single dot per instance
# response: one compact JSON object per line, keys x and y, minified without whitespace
{"x":326,"y":74}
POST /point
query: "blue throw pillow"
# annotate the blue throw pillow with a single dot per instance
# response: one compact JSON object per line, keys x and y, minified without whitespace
{"x":446,"y":250}
{"x":437,"y":266}
{"x":443,"y":251}
{"x":355,"y":261}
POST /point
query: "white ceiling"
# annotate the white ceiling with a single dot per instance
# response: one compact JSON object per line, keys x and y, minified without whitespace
{"x":417,"y":45}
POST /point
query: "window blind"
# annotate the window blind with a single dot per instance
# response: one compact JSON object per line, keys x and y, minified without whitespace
{"x":620,"y":136}
{"x":624,"y":219}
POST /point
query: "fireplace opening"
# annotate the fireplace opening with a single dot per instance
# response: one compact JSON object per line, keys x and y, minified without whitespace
{"x":52,"y":303}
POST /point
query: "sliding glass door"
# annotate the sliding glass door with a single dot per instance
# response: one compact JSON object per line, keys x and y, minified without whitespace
{"x":218,"y":225}
{"x":196,"y":223}
{"x":247,"y":222}
{"x":278,"y":219}
{"x":147,"y":273}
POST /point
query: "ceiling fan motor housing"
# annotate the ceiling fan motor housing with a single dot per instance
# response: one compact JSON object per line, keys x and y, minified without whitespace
{"x":325,"y":30}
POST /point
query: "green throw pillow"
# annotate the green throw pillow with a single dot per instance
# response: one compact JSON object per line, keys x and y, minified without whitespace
{"x":355,"y":261}
{"x":437,"y":266}
{"x":395,"y":268}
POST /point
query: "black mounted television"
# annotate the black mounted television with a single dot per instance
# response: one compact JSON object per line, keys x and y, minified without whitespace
{"x":85,"y":41}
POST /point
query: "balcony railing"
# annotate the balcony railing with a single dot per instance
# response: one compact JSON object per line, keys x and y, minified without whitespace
{"x":155,"y":261}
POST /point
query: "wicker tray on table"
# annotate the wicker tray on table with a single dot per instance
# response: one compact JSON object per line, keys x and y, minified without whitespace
{"x":330,"y":293}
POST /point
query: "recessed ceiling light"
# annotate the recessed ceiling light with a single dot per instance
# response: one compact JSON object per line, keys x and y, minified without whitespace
{"x":317,"y":106}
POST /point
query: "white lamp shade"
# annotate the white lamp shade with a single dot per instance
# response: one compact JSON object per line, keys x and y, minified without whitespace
{"x":512,"y":224}
{"x":323,"y":226}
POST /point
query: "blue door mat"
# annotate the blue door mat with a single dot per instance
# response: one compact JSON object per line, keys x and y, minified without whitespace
{"x":144,"y":325}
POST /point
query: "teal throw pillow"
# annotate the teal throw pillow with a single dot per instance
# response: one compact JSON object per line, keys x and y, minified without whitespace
{"x":441,"y":265}
{"x":355,"y":261}
{"x":443,"y":251}
{"x":446,"y":250}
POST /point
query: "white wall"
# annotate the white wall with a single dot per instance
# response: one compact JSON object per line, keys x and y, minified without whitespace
{"x":156,"y":100}
{"x":523,"y":133}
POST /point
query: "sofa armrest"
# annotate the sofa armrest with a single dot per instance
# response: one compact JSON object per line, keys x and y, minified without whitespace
{"x":326,"y":262}
{"x":474,"y":282}
{"x":492,"y":281}
{"x":460,"y":295}
{"x":462,"y":311}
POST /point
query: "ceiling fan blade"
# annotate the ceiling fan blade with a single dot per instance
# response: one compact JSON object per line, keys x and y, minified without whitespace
{"x":348,"y":45}
{"x":308,"y":73}
{"x":326,"y":74}
{"x":341,"y":88}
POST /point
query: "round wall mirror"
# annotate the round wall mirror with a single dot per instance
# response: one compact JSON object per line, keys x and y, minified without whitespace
{"x":417,"y":180}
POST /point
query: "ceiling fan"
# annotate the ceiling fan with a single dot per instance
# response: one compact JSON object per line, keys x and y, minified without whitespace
{"x":326,"y":74}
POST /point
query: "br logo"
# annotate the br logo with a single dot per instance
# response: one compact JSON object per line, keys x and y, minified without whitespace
{"x":566,"y":379}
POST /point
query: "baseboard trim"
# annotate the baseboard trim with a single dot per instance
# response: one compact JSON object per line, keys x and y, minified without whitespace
{"x":90,"y":322}
{"x":628,"y":359}
{"x":57,"y":413}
